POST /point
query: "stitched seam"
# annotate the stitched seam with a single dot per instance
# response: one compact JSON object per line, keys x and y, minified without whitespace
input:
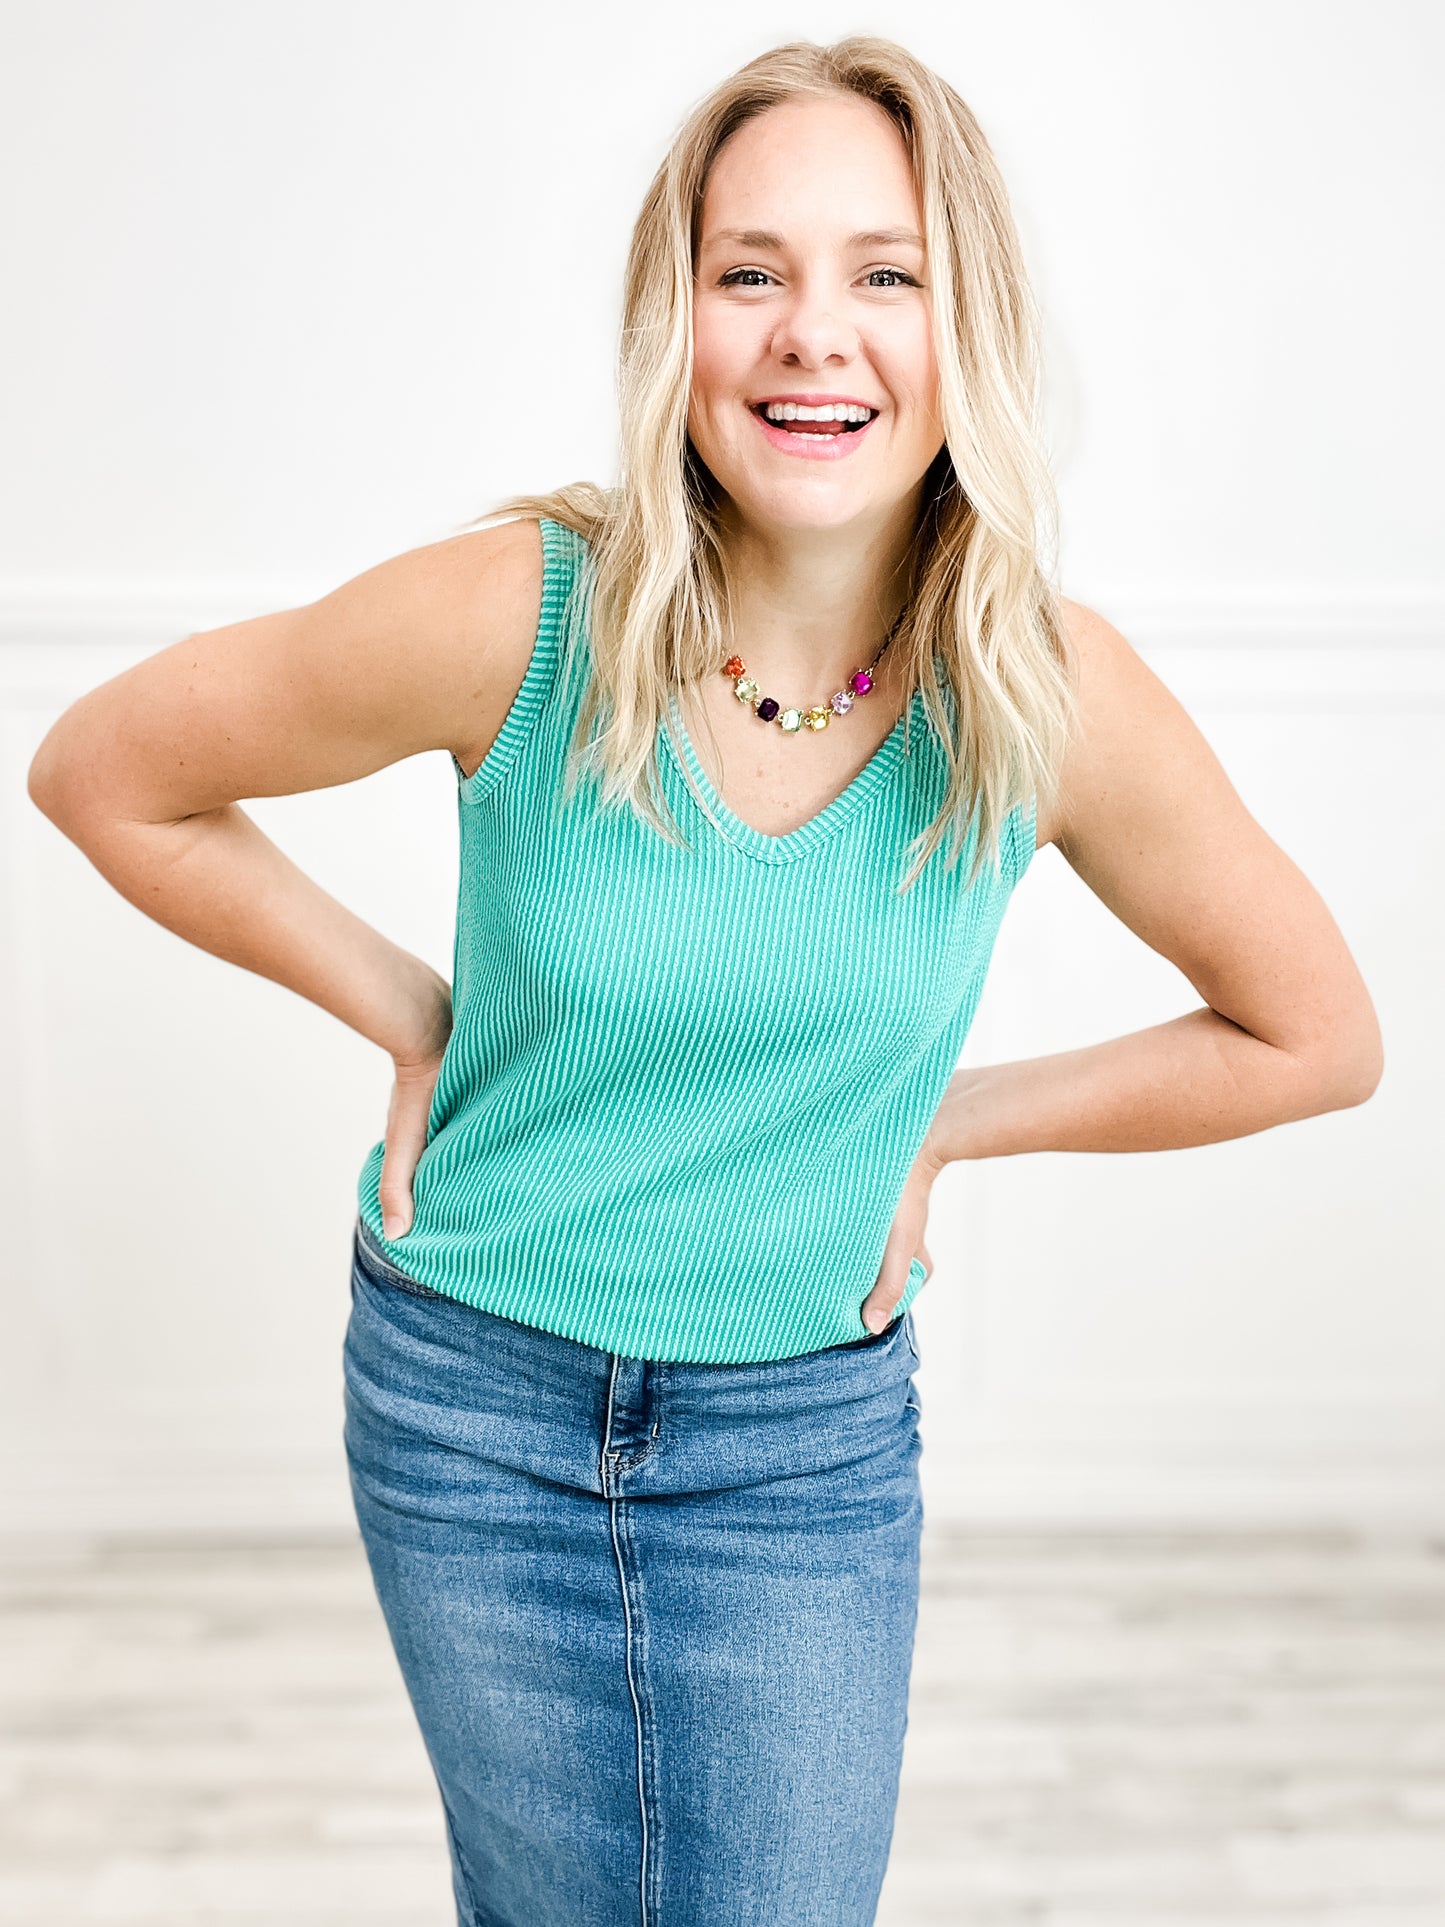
{"x":612,"y":1507}
{"x":652,"y":1872}
{"x":399,"y":1278}
{"x":602,"y":1472}
{"x":631,"y":1465}
{"x":414,"y":1288}
{"x":561,"y":556}
{"x":621,"y":1464}
{"x":374,"y":1253}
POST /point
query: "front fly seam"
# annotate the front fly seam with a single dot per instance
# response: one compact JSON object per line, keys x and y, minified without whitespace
{"x":607,"y":1452}
{"x":636,"y":1710}
{"x":612,"y":1455}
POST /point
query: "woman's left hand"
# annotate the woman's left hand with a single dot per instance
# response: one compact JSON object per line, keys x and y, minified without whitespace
{"x":905,"y":1241}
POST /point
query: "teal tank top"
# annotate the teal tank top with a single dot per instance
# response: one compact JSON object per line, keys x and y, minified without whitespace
{"x":684,"y":1088}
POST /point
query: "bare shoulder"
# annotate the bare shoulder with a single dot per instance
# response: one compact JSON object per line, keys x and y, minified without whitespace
{"x":488,"y":589}
{"x":456,"y":621}
{"x":1150,"y":821}
{"x":1137,"y":766}
{"x":1125,"y":713}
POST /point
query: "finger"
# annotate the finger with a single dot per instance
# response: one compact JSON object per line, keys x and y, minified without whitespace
{"x":888,"y":1286}
{"x":406,"y":1128}
{"x":878,"y":1305}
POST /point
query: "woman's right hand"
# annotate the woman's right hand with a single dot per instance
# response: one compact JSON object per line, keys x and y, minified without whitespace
{"x":409,"y":1111}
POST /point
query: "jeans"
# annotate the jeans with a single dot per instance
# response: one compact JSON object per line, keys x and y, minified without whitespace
{"x":655,"y":1619}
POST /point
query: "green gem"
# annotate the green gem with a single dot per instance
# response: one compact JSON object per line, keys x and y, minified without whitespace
{"x":791,"y":720}
{"x":745,"y":689}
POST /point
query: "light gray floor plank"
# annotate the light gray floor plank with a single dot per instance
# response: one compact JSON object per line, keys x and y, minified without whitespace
{"x":1106,"y":1730}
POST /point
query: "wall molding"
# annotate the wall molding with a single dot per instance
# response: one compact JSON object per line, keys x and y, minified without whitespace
{"x":59,"y":613}
{"x":1332,"y":1452}
{"x":1269,"y":651}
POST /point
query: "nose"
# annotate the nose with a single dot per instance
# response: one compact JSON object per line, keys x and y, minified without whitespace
{"x":810,"y":333}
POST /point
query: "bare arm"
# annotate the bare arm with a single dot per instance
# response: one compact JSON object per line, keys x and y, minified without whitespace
{"x":1153,"y":825}
{"x":144,"y":772}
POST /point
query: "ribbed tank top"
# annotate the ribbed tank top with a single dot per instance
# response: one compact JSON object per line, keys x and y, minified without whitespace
{"x":684,"y":1088}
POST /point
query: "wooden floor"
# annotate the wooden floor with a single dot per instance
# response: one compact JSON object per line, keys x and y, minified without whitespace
{"x":1105,"y":1731}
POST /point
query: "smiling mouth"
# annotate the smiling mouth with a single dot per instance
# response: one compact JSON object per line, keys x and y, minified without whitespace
{"x":813,"y":430}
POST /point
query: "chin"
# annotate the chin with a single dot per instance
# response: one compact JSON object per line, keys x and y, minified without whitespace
{"x":805,"y":506}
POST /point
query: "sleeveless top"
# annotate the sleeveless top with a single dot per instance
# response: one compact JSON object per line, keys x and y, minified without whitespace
{"x":684,"y":1088}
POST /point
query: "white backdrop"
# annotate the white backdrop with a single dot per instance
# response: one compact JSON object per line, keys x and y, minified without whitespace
{"x":296,"y":287}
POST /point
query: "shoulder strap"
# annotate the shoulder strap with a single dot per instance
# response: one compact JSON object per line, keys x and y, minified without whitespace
{"x":559,"y":630}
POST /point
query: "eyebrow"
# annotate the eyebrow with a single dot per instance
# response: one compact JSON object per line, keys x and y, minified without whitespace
{"x":753,"y":237}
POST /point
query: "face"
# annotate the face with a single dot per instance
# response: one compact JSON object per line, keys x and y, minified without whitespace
{"x":812,"y":290}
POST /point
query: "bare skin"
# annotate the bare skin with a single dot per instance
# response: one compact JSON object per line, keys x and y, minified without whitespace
{"x":816,"y":548}
{"x":145,"y":773}
{"x":428,"y":650}
{"x":1151,"y":823}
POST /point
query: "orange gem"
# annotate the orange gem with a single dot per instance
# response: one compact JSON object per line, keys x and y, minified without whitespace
{"x":734,"y":666}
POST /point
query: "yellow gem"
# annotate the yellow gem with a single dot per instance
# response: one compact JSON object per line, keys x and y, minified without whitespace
{"x":816,"y":718}
{"x":746,"y":690}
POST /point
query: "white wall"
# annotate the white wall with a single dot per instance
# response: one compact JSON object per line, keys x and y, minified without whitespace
{"x":295,"y":288}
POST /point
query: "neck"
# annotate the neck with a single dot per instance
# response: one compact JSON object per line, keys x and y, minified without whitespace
{"x":809,"y":606}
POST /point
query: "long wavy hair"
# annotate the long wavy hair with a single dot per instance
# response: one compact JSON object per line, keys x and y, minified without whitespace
{"x":981,"y":600}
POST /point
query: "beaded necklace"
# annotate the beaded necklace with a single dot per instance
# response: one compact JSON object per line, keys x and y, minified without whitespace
{"x":767,"y":708}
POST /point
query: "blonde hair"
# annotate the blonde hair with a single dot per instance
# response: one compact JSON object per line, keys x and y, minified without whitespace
{"x":979,"y":600}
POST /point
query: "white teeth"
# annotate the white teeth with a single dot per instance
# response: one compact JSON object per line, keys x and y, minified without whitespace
{"x":834,"y":411}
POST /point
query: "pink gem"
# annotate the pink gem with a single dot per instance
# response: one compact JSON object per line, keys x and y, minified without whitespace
{"x":840,"y":702}
{"x":862,"y":682}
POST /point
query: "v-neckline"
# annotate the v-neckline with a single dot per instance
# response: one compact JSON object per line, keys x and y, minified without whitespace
{"x":818,"y":828}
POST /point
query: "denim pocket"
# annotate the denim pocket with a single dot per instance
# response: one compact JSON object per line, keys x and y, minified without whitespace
{"x":869,"y":1341}
{"x":381,"y":1271}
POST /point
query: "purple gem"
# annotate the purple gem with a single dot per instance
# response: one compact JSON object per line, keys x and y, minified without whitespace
{"x":862,"y":682}
{"x":767,"y":709}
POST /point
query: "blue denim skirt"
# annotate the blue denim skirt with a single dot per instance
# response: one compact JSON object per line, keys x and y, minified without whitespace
{"x":655,"y":1619}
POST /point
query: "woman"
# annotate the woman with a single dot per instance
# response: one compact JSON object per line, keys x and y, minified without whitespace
{"x":629,"y":1408}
